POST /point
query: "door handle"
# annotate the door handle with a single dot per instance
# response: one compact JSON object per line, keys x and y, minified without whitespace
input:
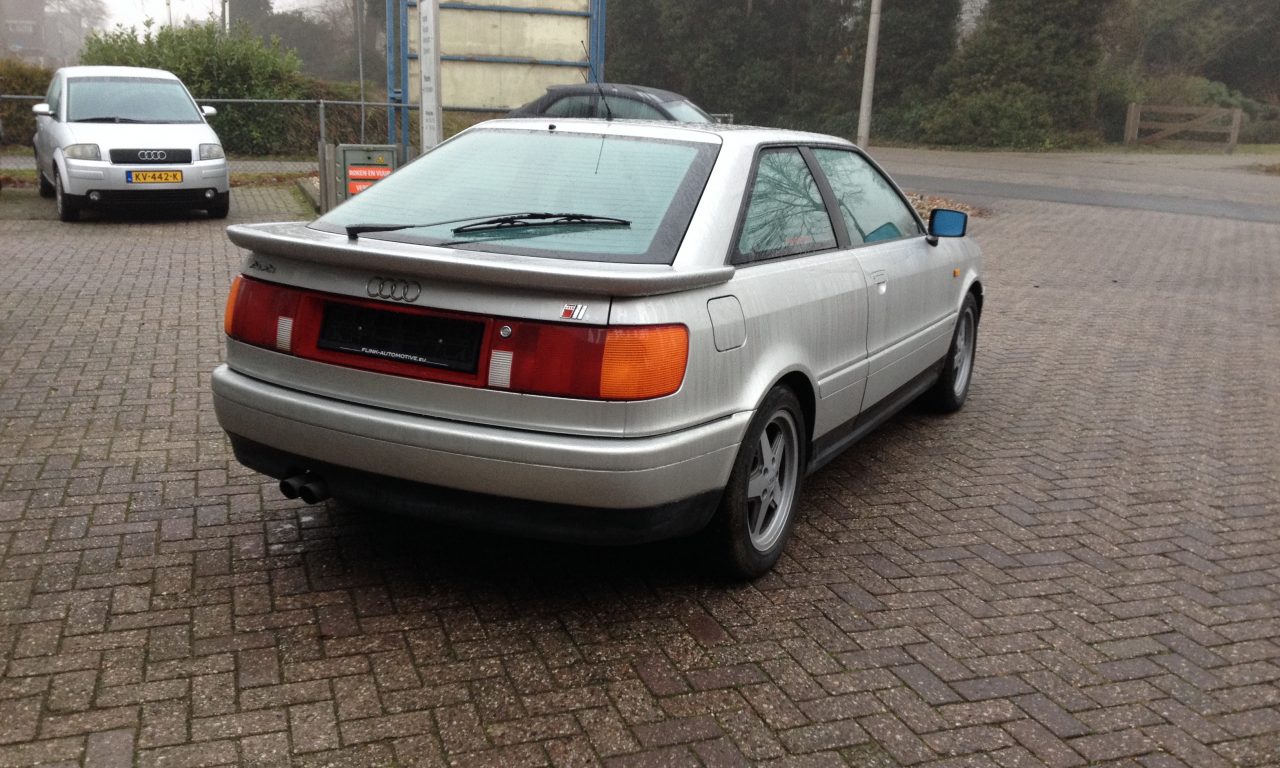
{"x":880,"y":278}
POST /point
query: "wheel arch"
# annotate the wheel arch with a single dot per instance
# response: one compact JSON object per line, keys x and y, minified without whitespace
{"x":975,"y":288}
{"x":58,"y":164}
{"x":803,"y":389}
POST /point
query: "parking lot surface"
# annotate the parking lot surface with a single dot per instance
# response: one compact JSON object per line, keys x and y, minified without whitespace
{"x":1080,"y":568}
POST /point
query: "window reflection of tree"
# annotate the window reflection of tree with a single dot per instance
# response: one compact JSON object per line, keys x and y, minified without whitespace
{"x":852,"y":194}
{"x":880,"y":214}
{"x":786,"y":213}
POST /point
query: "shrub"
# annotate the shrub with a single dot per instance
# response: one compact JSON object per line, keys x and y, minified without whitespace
{"x":18,"y":78}
{"x":1117,"y":89}
{"x":1010,"y":116}
{"x":1026,"y":78}
{"x":1263,"y":129}
{"x":215,"y":65}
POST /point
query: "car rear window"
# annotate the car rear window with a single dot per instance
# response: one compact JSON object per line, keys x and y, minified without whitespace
{"x":654,"y":184}
{"x":686,"y":112}
{"x":129,"y":100}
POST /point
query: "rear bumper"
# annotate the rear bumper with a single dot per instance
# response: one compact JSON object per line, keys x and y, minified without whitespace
{"x":532,"y":519}
{"x":664,"y":484}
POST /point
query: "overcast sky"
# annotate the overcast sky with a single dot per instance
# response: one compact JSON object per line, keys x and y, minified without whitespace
{"x":131,"y":13}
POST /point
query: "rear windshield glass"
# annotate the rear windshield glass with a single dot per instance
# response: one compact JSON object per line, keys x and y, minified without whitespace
{"x":482,"y":174}
{"x":687,"y":113}
{"x":129,"y":100}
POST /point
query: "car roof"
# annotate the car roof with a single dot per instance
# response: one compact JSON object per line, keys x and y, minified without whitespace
{"x":617,"y":89}
{"x":720,"y":133}
{"x":105,"y":71}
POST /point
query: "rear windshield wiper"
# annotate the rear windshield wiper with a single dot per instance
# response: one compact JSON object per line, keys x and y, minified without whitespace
{"x":492,"y":222}
{"x":106,"y":119}
{"x":540,"y":220}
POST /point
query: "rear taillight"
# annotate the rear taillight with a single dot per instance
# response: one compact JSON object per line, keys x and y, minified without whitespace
{"x":262,"y":314}
{"x":557,"y":359}
{"x":628,"y":363}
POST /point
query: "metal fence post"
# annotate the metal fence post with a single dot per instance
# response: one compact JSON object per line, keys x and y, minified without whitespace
{"x":326,"y":170}
{"x":323,"y":139}
{"x":1132,"y":120}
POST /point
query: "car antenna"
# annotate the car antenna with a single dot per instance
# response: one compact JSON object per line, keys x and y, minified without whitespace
{"x":587,"y":77}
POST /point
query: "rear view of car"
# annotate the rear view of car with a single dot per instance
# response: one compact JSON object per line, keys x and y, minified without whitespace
{"x":600,"y":331}
{"x":118,"y":137}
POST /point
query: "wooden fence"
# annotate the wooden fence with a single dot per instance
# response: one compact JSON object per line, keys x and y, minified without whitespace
{"x":1216,"y":127}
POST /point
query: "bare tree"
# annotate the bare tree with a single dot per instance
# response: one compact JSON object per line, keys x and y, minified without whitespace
{"x":91,"y":13}
{"x":67,"y":23}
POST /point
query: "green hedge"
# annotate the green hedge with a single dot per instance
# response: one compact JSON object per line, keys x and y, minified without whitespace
{"x":17,"y":78}
{"x":216,"y":65}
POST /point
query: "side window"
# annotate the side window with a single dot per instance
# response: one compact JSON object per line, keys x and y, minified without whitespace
{"x":630,"y":109}
{"x":54,"y":96}
{"x":572,"y":106}
{"x":871,"y":208}
{"x":786,"y":215}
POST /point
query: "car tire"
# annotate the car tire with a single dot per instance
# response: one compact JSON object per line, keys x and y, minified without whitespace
{"x":46,"y":189}
{"x":952,"y":388}
{"x":221,"y":207}
{"x":68,"y":209}
{"x":756,"y":513}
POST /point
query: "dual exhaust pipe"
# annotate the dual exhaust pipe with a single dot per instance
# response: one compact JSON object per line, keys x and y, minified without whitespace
{"x":309,"y":487}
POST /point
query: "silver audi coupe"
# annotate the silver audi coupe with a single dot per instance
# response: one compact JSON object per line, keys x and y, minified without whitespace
{"x":599,"y":331}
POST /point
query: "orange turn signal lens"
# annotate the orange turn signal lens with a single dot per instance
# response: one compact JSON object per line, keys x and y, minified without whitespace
{"x":642,"y":363}
{"x":228,"y":318}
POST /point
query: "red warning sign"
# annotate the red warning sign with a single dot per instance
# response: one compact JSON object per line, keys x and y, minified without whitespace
{"x":361,"y":177}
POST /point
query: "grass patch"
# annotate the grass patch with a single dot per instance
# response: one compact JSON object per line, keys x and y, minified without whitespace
{"x":277,"y":179}
{"x":26,"y":179}
{"x":1258,"y":149}
{"x":1274,"y":170}
{"x":18,"y":179}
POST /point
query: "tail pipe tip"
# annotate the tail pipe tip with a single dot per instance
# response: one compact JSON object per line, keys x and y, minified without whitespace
{"x":312,"y":489}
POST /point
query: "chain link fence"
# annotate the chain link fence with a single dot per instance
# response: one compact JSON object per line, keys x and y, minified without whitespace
{"x":266,"y":140}
{"x":265,"y":137}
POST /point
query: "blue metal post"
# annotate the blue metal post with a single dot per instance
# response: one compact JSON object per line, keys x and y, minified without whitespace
{"x":392,"y":56}
{"x":404,"y":78}
{"x":597,"y":40}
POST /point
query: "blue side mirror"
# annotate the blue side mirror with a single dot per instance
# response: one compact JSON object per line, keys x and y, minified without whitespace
{"x":944,"y":222}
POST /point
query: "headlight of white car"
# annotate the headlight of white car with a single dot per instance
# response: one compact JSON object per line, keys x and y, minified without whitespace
{"x":83,"y":152}
{"x":211,"y":152}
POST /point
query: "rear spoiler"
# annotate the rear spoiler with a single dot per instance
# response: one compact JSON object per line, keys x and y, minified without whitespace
{"x":294,"y":240}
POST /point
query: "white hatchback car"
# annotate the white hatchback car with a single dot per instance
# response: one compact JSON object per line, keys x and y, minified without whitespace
{"x":127,"y":136}
{"x":604,"y":331}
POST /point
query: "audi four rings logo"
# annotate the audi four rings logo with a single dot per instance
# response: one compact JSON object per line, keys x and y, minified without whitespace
{"x":152,"y":154}
{"x":393,"y":289}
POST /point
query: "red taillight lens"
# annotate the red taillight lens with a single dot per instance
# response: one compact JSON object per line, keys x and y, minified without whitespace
{"x":262,"y":314}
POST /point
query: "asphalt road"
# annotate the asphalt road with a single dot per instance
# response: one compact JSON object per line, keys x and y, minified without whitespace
{"x":1214,"y":185}
{"x":984,"y":191}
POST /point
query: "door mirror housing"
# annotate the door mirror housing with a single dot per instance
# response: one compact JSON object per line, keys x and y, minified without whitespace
{"x":208,"y":111}
{"x":42,"y":110}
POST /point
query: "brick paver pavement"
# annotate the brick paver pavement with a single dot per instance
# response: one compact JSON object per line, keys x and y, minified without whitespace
{"x":1080,"y":568}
